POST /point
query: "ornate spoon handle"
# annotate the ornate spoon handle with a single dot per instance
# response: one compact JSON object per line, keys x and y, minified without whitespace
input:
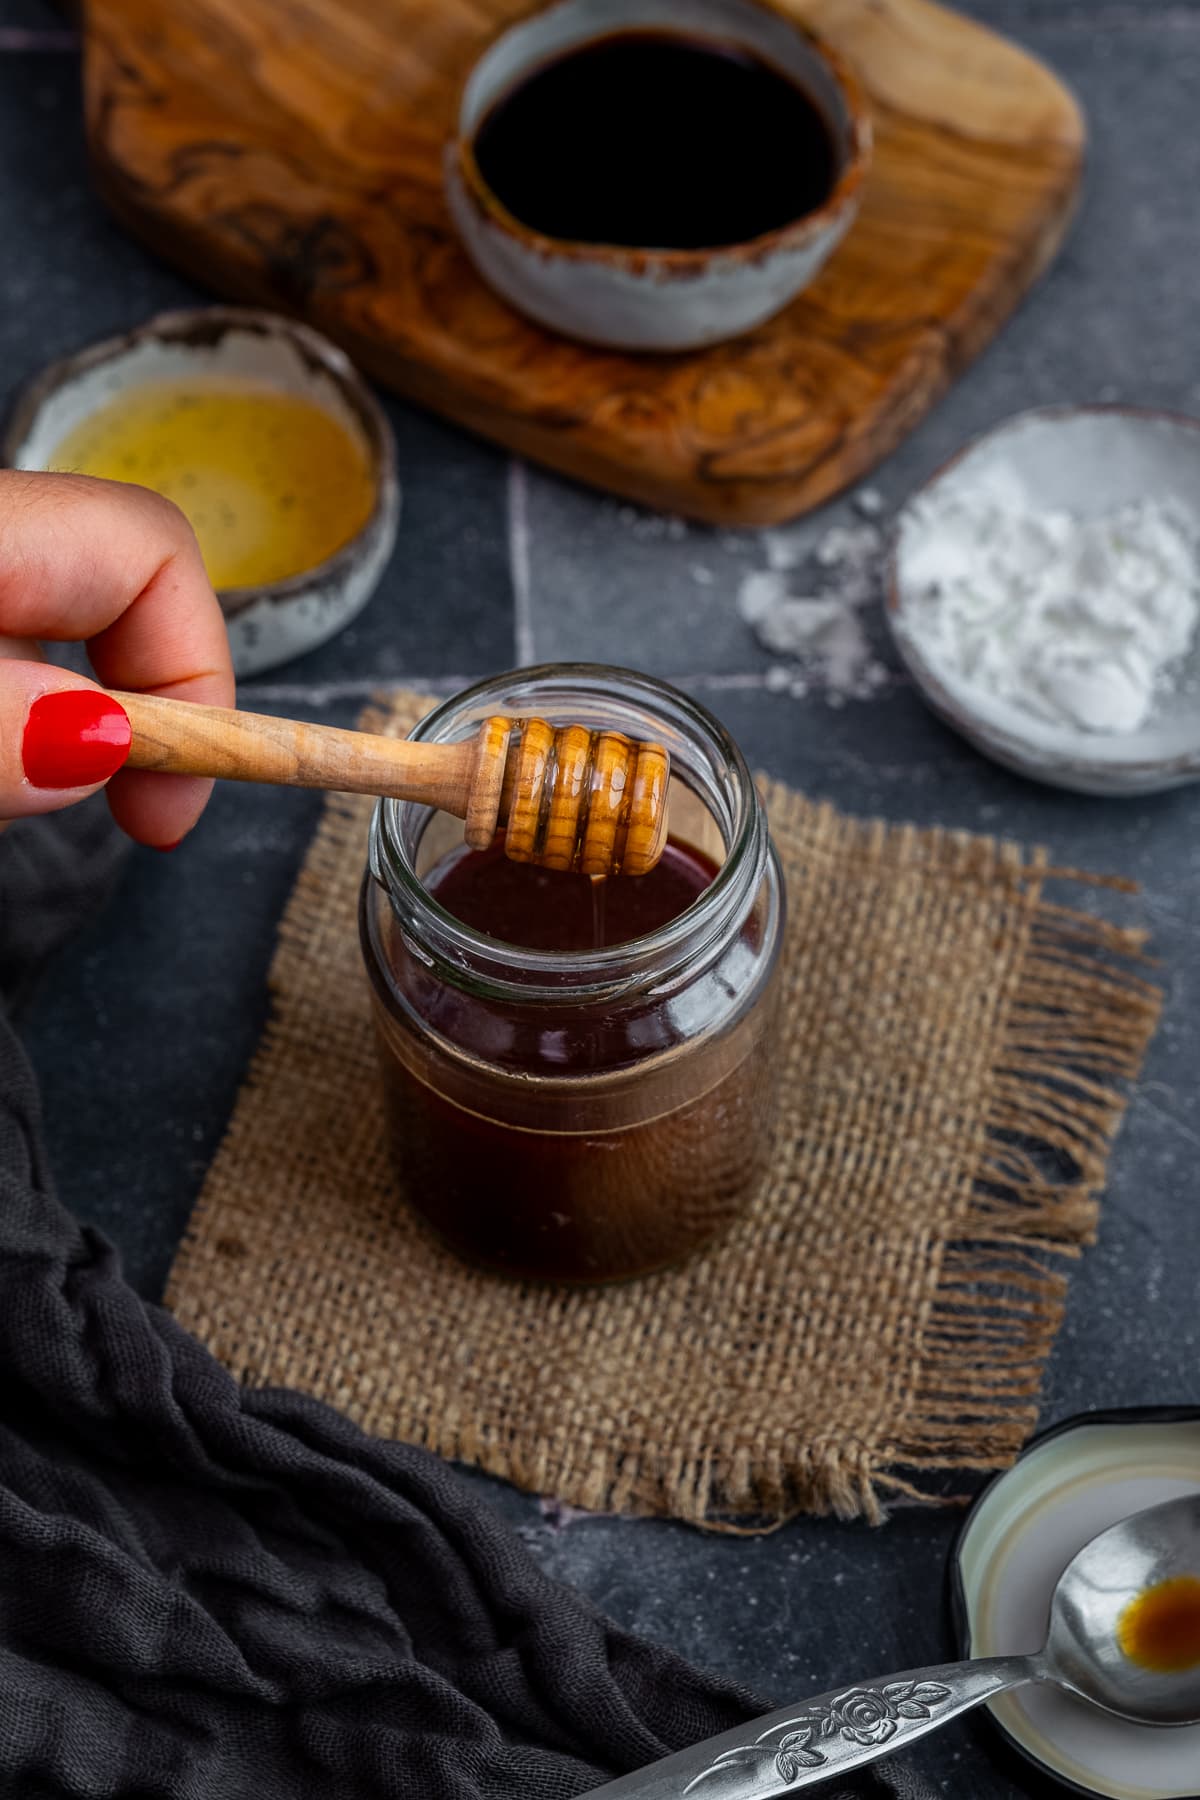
{"x":829,"y":1735}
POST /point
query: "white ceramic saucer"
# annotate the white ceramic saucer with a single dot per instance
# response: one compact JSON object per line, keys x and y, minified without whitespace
{"x":1086,"y":460}
{"x":1068,"y":1485}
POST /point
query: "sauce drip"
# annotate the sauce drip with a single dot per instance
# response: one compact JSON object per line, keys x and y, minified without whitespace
{"x":1160,"y":1630}
{"x":656,"y":140}
{"x":270,"y":482}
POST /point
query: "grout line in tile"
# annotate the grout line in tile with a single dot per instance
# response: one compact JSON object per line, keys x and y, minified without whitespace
{"x":722,"y":682}
{"x":518,"y":562}
{"x":1107,"y":15}
{"x":325,"y":693}
{"x":752,"y":680}
{"x":23,"y":39}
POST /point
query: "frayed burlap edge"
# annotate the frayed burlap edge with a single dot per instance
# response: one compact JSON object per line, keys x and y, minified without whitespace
{"x":1078,"y":1023}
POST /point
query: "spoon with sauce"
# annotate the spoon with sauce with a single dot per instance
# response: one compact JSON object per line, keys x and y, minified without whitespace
{"x":1124,"y":1635}
{"x":568,"y":797}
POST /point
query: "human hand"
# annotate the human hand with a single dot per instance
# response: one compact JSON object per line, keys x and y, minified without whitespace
{"x":119,"y":568}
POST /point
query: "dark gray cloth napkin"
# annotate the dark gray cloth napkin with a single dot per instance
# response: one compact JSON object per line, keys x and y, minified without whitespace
{"x":210,"y":1593}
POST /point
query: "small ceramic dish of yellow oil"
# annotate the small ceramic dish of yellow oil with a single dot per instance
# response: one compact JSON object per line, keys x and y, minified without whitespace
{"x":264,"y":435}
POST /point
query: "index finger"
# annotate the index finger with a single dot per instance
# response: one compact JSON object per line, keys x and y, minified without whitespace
{"x":119,"y":567}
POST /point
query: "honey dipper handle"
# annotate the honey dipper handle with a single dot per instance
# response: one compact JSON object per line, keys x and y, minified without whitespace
{"x":178,"y":738}
{"x":567,"y":797}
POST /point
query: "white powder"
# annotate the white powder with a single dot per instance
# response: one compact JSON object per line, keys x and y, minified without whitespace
{"x":822,"y":632}
{"x":1080,"y":622}
{"x":651,"y":527}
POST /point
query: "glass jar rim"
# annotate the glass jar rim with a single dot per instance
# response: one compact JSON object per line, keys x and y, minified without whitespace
{"x":651,"y":708}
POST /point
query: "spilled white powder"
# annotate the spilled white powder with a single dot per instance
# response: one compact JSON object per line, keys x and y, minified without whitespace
{"x":1079,"y":622}
{"x":819,"y":625}
{"x":869,"y":502}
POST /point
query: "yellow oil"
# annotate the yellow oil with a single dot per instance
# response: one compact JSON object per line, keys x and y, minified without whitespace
{"x":271,"y":483}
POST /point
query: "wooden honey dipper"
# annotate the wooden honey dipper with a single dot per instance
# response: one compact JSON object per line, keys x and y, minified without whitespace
{"x":568,"y":798}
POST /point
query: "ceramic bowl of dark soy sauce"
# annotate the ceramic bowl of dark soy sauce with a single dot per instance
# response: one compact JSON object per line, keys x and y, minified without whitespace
{"x":656,"y":174}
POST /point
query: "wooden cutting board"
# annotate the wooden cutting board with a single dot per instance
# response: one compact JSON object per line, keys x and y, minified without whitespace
{"x":288,"y":152}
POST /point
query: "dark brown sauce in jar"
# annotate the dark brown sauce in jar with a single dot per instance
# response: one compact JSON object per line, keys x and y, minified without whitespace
{"x":579,"y":1076}
{"x":561,"y":1188}
{"x":657,"y":140}
{"x":542,"y":909}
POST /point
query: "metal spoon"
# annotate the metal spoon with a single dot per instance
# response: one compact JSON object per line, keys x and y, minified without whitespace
{"x":840,"y":1731}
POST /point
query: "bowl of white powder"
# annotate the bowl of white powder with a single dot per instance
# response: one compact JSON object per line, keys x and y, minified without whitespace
{"x":1044,"y":592}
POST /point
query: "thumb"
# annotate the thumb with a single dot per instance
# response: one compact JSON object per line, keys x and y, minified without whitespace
{"x":61,"y":737}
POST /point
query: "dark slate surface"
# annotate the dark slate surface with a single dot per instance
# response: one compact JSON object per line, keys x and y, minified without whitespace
{"x":143,"y":1028}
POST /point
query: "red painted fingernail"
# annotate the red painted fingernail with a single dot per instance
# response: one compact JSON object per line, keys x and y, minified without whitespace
{"x":165,"y":849}
{"x":74,"y":738}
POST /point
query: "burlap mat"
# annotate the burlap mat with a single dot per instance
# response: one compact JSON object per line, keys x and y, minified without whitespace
{"x":953,"y":1049}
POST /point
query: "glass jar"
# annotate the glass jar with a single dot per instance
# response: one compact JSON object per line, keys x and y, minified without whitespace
{"x":581,"y":1116}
